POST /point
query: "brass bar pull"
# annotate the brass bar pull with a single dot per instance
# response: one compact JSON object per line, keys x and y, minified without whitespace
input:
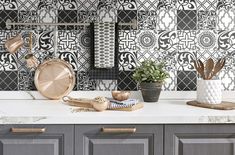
{"x":28,"y":130}
{"x":118,"y":130}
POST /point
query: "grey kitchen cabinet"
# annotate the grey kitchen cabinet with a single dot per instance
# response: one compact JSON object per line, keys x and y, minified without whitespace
{"x":36,"y":140}
{"x":118,"y":140}
{"x":199,"y":140}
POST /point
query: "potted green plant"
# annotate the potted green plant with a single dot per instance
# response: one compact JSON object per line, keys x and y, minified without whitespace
{"x":150,"y":75}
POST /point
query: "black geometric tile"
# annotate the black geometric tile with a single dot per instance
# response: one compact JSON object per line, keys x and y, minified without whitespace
{"x":126,"y":82}
{"x":186,"y":80}
{"x":186,"y":19}
{"x":206,"y":20}
{"x":84,"y":81}
{"x":186,"y":5}
{"x":126,"y":5}
{"x":126,"y":16}
{"x":26,"y":80}
{"x":147,"y":20}
{"x":67,"y":16}
{"x":67,"y":5}
{"x":9,"y":5}
{"x":8,"y":62}
{"x":8,"y":16}
{"x":8,"y":80}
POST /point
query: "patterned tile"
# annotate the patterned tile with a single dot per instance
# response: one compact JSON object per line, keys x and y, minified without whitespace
{"x":187,"y":40}
{"x":107,"y":15}
{"x":25,"y":35}
{"x":87,"y":5}
{"x":106,"y":4}
{"x":186,"y":5}
{"x":47,"y":16}
{"x":106,"y":85}
{"x":8,"y":80}
{"x":68,"y":40}
{"x":167,"y":40}
{"x":185,"y":60}
{"x":41,"y":56}
{"x":147,"y":20}
{"x":27,"y":5}
{"x":228,"y":79}
{"x":225,"y":4}
{"x":147,"y":4}
{"x":8,"y":62}
{"x":8,"y":5}
{"x":166,"y":4}
{"x":126,"y":16}
{"x":67,"y":5}
{"x":206,"y":20}
{"x":226,"y":19}
{"x":170,"y":83}
{"x":67,"y":16}
{"x":46,"y":40}
{"x":84,"y":82}
{"x":126,"y":5}
{"x":127,"y":60}
{"x":84,"y":60}
{"x":186,"y":19}
{"x":26,"y":81}
{"x":87,"y":17}
{"x":206,"y":40}
{"x":230,"y":60}
{"x":166,"y":19}
{"x":226,"y":40}
{"x":84,"y":39}
{"x":125,"y":81}
{"x":47,"y":4}
{"x":8,"y":16}
{"x":206,"y":5}
{"x":70,"y":57}
{"x":127,"y":40}
{"x":27,"y":17}
{"x":186,"y":80}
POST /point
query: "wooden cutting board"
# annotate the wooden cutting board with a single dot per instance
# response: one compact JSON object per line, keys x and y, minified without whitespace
{"x":223,"y":106}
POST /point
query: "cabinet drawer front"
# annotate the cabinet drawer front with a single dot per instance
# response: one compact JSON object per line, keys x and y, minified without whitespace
{"x":199,"y":140}
{"x":118,"y":139}
{"x":36,"y":139}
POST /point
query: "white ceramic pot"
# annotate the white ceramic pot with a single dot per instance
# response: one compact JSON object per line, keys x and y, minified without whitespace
{"x":209,"y":91}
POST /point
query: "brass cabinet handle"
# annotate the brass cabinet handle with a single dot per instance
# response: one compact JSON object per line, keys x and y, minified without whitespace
{"x":118,"y":130}
{"x":28,"y":130}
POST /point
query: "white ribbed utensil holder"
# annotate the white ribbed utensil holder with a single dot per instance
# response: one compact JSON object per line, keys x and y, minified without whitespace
{"x":209,"y":91}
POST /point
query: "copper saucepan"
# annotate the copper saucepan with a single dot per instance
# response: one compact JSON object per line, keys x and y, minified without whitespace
{"x":54,"y":78}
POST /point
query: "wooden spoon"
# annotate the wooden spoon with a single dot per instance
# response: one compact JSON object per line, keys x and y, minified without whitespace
{"x":218,"y":66}
{"x":209,"y":68}
{"x":199,"y":67}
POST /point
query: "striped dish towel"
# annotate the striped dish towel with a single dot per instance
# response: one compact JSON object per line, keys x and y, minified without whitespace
{"x":104,"y":40}
{"x":114,"y":104}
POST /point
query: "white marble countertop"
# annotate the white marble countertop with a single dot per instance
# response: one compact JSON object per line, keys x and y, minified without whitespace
{"x":56,"y":112}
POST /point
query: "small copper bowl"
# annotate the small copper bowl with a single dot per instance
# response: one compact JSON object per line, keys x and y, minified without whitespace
{"x":121,"y":95}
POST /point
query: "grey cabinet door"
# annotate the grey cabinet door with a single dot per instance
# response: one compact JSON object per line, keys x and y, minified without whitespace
{"x":147,"y":140}
{"x":56,"y":140}
{"x":199,"y":140}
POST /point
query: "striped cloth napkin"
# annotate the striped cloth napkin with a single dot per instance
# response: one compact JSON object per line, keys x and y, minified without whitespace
{"x":114,"y":104}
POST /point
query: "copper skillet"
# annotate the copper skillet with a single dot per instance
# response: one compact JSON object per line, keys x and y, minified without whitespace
{"x":54,"y":78}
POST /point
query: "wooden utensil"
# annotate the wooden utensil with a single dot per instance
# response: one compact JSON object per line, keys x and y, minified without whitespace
{"x":218,"y":66}
{"x":199,"y":67}
{"x":99,"y":103}
{"x":209,"y":68}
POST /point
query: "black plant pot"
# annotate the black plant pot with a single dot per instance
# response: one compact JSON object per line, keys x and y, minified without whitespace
{"x":151,"y":91}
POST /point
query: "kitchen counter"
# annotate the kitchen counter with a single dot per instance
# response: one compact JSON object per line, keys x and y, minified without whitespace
{"x":56,"y":112}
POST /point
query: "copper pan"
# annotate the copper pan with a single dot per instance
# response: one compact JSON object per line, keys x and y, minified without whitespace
{"x":54,"y":78}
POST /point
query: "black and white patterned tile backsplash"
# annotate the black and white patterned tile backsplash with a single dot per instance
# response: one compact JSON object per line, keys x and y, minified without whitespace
{"x":174,"y":31}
